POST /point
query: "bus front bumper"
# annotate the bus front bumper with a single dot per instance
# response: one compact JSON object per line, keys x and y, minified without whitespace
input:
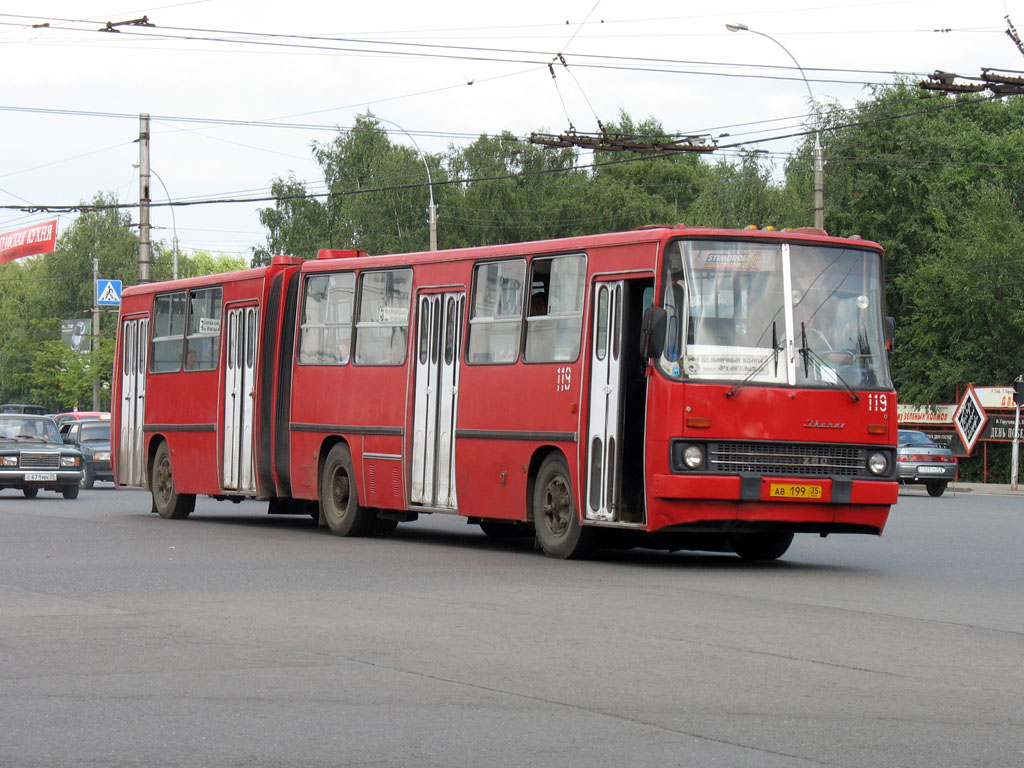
{"x":820,"y":505}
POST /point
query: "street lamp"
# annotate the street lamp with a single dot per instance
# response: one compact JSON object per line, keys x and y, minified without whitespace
{"x":432,"y":209}
{"x":819,"y":163}
{"x":174,"y":223}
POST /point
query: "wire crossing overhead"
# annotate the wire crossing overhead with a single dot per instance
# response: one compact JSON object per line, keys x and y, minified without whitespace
{"x":615,"y":142}
{"x":989,"y":80}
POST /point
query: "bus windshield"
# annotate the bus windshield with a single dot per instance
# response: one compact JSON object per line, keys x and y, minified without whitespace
{"x":774,"y":313}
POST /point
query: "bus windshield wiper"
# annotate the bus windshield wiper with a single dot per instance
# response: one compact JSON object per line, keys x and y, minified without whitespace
{"x":809,"y":354}
{"x":774,"y":354}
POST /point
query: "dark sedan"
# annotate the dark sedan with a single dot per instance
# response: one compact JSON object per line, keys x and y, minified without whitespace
{"x":33,"y":457}
{"x":92,"y":438}
{"x":922,"y":461}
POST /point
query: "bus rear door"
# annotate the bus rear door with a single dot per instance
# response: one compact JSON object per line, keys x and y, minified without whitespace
{"x":131,"y":464}
{"x":239,"y":398}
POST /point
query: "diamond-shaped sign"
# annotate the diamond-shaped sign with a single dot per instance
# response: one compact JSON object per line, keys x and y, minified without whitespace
{"x":969,"y":418}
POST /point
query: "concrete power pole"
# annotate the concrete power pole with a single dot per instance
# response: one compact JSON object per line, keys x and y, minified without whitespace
{"x":94,"y":347}
{"x":145,"y":249}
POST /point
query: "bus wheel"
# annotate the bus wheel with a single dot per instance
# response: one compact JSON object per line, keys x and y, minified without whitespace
{"x":338,"y":498}
{"x":761,"y":546}
{"x":559,"y":533}
{"x":170,"y":504}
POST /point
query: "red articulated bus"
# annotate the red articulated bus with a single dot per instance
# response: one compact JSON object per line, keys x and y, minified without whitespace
{"x":669,"y":387}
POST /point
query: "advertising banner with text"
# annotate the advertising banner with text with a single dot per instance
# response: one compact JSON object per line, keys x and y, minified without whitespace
{"x":39,"y":238}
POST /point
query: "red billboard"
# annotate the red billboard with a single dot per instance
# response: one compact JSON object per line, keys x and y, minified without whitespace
{"x":39,"y":238}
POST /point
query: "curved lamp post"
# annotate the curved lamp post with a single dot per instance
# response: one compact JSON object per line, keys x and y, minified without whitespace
{"x":432,"y":209}
{"x":174,"y":223}
{"x":819,"y":163}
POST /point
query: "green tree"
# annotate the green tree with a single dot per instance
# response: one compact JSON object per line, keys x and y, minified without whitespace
{"x":964,"y":316}
{"x":297,"y":225}
{"x":741,"y":193}
{"x":939,"y":183}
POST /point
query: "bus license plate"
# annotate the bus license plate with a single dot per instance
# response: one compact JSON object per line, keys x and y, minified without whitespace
{"x":794,"y":491}
{"x":41,"y":477}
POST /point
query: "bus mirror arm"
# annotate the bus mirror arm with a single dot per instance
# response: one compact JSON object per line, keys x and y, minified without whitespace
{"x":652,"y":336}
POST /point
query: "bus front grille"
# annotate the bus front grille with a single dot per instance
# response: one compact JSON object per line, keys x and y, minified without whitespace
{"x":800,"y":459}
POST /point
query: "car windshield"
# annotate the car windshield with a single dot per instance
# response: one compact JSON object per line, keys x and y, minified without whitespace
{"x":17,"y":428}
{"x":915,"y":438}
{"x":95,"y":432}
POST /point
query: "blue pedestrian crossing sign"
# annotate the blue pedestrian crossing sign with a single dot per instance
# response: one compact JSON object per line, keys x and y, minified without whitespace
{"x":108,"y":292}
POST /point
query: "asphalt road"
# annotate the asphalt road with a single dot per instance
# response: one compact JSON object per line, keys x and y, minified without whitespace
{"x":236,"y":639}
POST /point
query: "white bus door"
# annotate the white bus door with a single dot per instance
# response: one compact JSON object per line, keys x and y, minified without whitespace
{"x":131,"y":464}
{"x":604,"y":444}
{"x":239,"y":398}
{"x":439,"y":343}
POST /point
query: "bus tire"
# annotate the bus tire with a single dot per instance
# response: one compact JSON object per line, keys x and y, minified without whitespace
{"x":339,"y":499}
{"x":761,"y":546}
{"x":167,"y":502}
{"x":559,"y":533}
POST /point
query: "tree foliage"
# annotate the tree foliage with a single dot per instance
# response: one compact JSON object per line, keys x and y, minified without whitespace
{"x":938,"y":182}
{"x":38,"y":293}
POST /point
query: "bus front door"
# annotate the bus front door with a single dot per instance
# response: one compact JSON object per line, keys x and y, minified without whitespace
{"x":604,"y":444}
{"x":131,"y":463}
{"x":239,"y":398}
{"x":439,"y":341}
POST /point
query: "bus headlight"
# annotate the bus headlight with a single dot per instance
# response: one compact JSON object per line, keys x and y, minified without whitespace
{"x":878,"y":463}
{"x":693,"y":456}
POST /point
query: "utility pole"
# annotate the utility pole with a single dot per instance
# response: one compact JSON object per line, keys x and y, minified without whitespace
{"x":93,"y":351}
{"x":145,"y":249}
{"x":1018,"y":398}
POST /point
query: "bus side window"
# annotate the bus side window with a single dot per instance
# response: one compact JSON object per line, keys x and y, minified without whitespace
{"x":203,"y":342}
{"x":168,"y":332}
{"x":326,"y":330}
{"x":382,"y":330}
{"x":496,"y":317}
{"x":555,"y":335}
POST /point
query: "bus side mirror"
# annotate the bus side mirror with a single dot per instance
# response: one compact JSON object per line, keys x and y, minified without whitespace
{"x":652,"y":337}
{"x":890,"y":332}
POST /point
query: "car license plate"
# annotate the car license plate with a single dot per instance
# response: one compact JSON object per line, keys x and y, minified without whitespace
{"x":794,"y":491}
{"x":931,"y":470}
{"x":41,"y":477}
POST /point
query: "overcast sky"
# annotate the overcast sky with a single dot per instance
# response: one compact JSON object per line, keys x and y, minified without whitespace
{"x":444,"y":72}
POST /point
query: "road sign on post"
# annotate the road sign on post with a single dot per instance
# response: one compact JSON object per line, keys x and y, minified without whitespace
{"x":969,"y":418}
{"x":108,"y":292}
